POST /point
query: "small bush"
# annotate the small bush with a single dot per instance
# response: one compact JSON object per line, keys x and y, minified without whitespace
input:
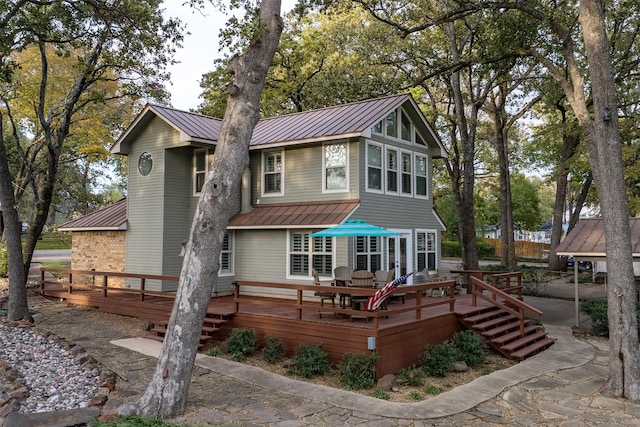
{"x":213,"y":352}
{"x":433,"y":389}
{"x":311,"y":360}
{"x":274,"y":349}
{"x":451,"y":249}
{"x":414,"y":395}
{"x":438,"y":361}
{"x":597,"y":311}
{"x":485,"y":249}
{"x":3,"y":260}
{"x":380,"y":394}
{"x":242,"y":343}
{"x":469,"y":347}
{"x":357,"y":371}
{"x":413,"y":377}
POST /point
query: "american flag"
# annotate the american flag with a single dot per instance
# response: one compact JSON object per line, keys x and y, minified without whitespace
{"x":374,"y":301}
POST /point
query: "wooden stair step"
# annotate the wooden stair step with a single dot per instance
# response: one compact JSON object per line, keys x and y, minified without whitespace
{"x":532,"y":349}
{"x":524,"y":341}
{"x":155,"y":337}
{"x":214,"y":320}
{"x":494,"y":322}
{"x":502,"y":329}
{"x":477,"y":318}
{"x":162,"y":330}
{"x":210,"y":329}
{"x":503,"y":339}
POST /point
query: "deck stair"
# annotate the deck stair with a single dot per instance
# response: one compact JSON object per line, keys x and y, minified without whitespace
{"x":213,"y":319}
{"x":502,"y":331}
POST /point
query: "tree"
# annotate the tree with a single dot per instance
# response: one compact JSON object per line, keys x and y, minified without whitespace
{"x":106,"y":42}
{"x":166,"y":395}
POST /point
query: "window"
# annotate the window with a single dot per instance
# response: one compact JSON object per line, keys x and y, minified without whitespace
{"x":405,"y":127}
{"x":145,"y":163}
{"x":301,"y":255}
{"x":273,"y":173}
{"x":374,"y":167}
{"x":368,"y":253}
{"x":426,"y":250}
{"x":392,"y":171}
{"x":406,"y":174}
{"x":377,"y":128}
{"x":200,"y":168}
{"x":391,"y":124}
{"x":335,"y":167}
{"x":421,"y":176}
{"x":226,"y":255}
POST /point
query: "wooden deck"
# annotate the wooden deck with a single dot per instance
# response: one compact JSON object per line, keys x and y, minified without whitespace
{"x":398,"y":334}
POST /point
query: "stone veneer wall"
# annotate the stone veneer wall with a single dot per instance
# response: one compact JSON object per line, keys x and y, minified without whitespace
{"x":100,"y":251}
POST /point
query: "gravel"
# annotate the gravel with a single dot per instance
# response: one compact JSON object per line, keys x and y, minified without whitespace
{"x":55,"y":378}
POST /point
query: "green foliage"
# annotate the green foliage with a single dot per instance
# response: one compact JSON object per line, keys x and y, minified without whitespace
{"x":485,"y":249}
{"x":433,"y":389}
{"x":380,"y":394}
{"x":451,"y":249}
{"x":214,"y":352}
{"x":533,"y":274}
{"x":414,"y":395}
{"x":413,"y":376}
{"x":437,"y":361}
{"x":357,"y":371}
{"x":242,"y":343}
{"x":3,"y":260}
{"x":274,"y":350}
{"x":469,"y":348}
{"x":311,"y":360}
{"x":597,"y":311}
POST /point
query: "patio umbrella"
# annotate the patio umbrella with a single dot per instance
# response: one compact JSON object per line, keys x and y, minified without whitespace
{"x":354,"y":228}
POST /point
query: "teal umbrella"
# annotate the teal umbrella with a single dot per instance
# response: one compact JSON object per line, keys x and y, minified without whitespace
{"x":354,"y":228}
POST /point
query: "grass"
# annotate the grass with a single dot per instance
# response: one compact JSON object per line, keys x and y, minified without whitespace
{"x":135,"y":422}
{"x":57,"y":264}
{"x":54,"y":241}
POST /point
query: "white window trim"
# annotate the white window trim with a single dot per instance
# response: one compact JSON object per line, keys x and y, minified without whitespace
{"x":232,"y":244}
{"x":415,"y":176}
{"x":262,"y":168}
{"x":207,"y":160}
{"x":386,"y":170}
{"x":437,"y":251}
{"x":401,"y":173}
{"x":290,"y":276}
{"x":382,"y":168}
{"x":325,"y":190}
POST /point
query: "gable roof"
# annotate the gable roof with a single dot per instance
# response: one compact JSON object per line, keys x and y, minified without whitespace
{"x":587,"y":239}
{"x":338,"y":122}
{"x":113,"y":217}
{"x":291,"y":215}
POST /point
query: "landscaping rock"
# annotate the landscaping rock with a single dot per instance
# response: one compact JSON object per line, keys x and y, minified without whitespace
{"x":387,"y":382}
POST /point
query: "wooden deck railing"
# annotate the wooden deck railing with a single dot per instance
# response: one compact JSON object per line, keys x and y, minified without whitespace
{"x":302,"y":298}
{"x":100,"y":281}
{"x":501,"y":299}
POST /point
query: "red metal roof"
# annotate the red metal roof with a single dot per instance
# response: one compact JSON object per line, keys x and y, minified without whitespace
{"x":316,"y":214}
{"x":112,"y":217}
{"x":587,"y":239}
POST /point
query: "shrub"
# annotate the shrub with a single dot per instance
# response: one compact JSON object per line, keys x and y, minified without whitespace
{"x":357,"y":371}
{"x":433,"y":389}
{"x":380,"y":394}
{"x":437,"y":361}
{"x":213,"y":352}
{"x":469,"y":347}
{"x":242,"y":343}
{"x":274,"y":349}
{"x":597,"y":311}
{"x":3,"y":260}
{"x":414,"y":395}
{"x":451,"y":249}
{"x":311,"y":360}
{"x":485,"y":249}
{"x":411,"y":376}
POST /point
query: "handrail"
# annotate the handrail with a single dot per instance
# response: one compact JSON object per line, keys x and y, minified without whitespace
{"x":299,"y":304}
{"x":509,"y":304}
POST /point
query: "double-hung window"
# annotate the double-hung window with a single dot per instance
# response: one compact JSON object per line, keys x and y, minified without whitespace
{"x":273,"y":173}
{"x":201,"y":161}
{"x":368,"y":253}
{"x":392,"y":171}
{"x":335,"y":167}
{"x":406,"y":177}
{"x":374,"y":167}
{"x":426,"y":250}
{"x":305,"y":251}
{"x":421,"y":176}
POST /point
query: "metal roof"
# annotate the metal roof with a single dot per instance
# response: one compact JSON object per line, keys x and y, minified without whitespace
{"x":112,"y":217}
{"x":291,"y":215}
{"x":587,"y":239}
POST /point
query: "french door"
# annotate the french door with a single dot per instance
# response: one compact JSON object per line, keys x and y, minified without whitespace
{"x":400,"y":254}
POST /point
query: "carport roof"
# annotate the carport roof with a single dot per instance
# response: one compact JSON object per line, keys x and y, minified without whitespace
{"x":112,"y":217}
{"x":587,"y":240}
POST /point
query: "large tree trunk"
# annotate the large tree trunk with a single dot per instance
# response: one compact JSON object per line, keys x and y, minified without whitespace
{"x":166,"y":395}
{"x":605,"y":157}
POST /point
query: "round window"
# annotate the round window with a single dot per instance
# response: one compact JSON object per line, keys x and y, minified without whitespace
{"x":145,"y":163}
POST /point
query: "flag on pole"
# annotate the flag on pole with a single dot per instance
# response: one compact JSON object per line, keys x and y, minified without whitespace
{"x":374,"y":301}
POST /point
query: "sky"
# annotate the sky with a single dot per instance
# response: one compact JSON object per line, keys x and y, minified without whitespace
{"x":200,"y":49}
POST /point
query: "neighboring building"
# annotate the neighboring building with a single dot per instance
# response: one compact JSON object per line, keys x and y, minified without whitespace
{"x":370,"y":160}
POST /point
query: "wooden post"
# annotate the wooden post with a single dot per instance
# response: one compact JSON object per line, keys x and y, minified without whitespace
{"x":299,"y":301}
{"x":104,"y":285}
{"x":142,"y":288}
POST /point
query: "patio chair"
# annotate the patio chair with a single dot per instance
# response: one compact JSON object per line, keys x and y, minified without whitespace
{"x":324,"y":295}
{"x":342,"y":277}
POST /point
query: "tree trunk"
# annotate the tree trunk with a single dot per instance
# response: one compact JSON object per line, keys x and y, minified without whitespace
{"x":166,"y":395}
{"x":605,"y":157}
